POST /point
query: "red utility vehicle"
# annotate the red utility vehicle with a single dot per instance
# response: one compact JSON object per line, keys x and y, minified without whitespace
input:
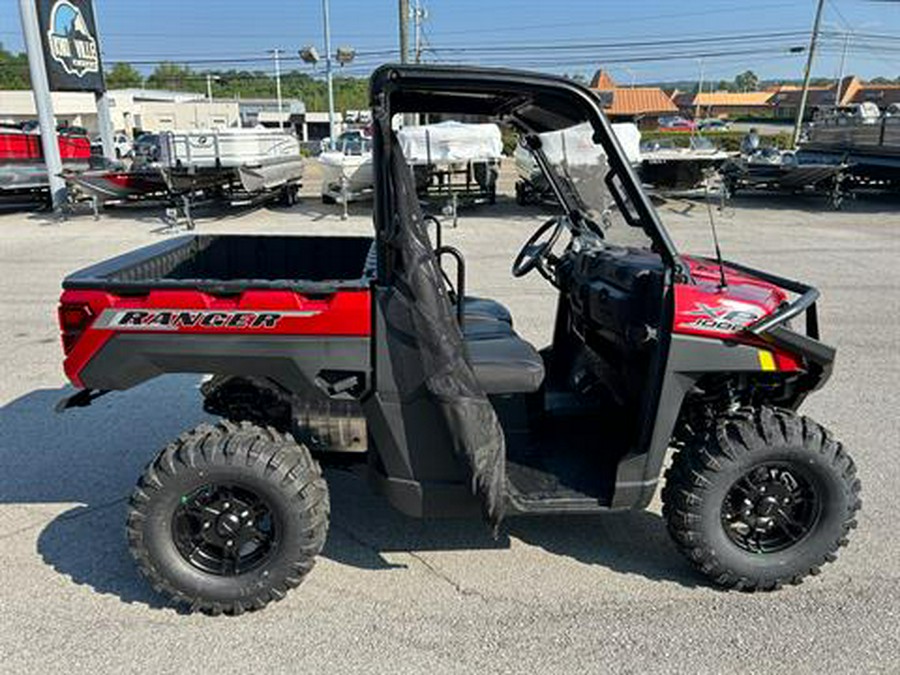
{"x":366,"y":346}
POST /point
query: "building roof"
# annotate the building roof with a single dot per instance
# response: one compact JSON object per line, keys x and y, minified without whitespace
{"x":880,"y":94}
{"x":603,"y":81}
{"x":725,"y":99}
{"x":790,"y":96}
{"x":630,"y":101}
{"x":139,"y":94}
{"x":640,"y":101}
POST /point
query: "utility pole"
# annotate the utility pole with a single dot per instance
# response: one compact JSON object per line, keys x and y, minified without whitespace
{"x":801,"y":112}
{"x":419,"y":15}
{"x":209,"y":87}
{"x":276,"y":53}
{"x":328,"y":75}
{"x":840,"y":80}
{"x":699,"y":91}
{"x":40,"y":87}
{"x":404,"y":31}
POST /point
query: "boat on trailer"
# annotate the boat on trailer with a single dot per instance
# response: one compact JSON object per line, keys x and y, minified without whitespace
{"x":786,"y":171}
{"x":347,"y":171}
{"x":453,"y":162}
{"x":864,"y":137}
{"x":667,"y":168}
{"x":105,"y":185}
{"x":23,"y":171}
{"x":251,"y":161}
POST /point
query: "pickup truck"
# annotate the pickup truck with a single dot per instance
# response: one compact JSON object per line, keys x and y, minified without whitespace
{"x":369,"y":348}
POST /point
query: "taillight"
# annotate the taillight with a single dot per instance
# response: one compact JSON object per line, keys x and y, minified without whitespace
{"x":73,"y":321}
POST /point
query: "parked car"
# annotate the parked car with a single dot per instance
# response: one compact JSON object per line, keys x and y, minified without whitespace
{"x":714,"y":124}
{"x":676,"y":124}
{"x":122,"y":146}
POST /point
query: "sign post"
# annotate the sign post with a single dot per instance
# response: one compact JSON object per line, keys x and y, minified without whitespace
{"x":40,"y":87}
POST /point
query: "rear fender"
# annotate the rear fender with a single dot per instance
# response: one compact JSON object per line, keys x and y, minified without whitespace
{"x":306,"y":366}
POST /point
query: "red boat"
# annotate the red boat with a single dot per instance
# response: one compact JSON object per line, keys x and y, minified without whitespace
{"x":114,"y":185}
{"x":22,"y":166}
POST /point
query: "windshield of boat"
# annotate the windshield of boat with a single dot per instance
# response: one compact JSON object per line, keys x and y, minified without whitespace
{"x":353,"y":144}
{"x":580,"y":169}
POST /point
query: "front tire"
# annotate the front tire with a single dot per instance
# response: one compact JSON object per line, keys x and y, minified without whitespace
{"x":764,"y":498}
{"x":228,"y":518}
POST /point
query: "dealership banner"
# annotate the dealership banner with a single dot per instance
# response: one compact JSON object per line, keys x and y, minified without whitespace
{"x":71,"y":46}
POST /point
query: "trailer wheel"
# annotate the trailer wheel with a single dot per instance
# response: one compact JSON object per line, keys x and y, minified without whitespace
{"x":228,"y":518}
{"x":521,"y":199}
{"x":288,"y":195}
{"x":764,"y":498}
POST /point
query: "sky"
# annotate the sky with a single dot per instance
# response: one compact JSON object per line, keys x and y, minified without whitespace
{"x":721,"y":37}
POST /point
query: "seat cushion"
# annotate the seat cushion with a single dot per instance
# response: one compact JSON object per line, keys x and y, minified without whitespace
{"x":486,"y":329}
{"x":479,"y":309}
{"x":506,"y":365}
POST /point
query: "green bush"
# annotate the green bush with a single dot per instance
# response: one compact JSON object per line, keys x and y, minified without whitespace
{"x":724,"y":140}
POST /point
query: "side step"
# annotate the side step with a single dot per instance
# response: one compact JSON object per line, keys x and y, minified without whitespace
{"x":533,"y":489}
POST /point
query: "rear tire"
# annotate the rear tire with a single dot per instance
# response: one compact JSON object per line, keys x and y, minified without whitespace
{"x":809,"y":469}
{"x":270,"y":472}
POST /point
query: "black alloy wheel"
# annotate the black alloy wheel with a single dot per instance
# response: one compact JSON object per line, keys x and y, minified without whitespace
{"x":761,"y":498}
{"x":224,"y":530}
{"x":770,"y":508}
{"x":229,"y":517}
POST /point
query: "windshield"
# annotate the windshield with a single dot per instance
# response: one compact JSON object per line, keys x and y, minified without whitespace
{"x":580,"y":168}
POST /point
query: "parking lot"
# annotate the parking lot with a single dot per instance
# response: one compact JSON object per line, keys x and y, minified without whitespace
{"x":392,"y":594}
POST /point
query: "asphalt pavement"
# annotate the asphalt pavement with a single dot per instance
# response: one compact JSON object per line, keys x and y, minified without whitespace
{"x":396,"y":595}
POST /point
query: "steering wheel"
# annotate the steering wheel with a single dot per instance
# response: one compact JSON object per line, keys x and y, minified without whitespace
{"x":535,"y":252}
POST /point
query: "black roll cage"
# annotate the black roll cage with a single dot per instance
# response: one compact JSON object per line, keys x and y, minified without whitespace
{"x":531,"y":103}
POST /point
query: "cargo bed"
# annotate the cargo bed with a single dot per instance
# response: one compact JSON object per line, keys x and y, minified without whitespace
{"x":293,"y":309}
{"x":234,"y":263}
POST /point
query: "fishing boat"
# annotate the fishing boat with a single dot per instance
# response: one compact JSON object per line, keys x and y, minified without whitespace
{"x":862,"y":136}
{"x":347,"y":172}
{"x":786,"y":171}
{"x":670,"y":168}
{"x":105,"y":185}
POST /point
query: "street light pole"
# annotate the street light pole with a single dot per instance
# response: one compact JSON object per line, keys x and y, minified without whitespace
{"x":801,"y":112}
{"x":209,"y":87}
{"x":328,"y":75}
{"x":40,"y":87}
{"x":276,"y":53}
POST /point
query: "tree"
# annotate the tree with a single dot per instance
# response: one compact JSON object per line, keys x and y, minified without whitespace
{"x":175,"y":77}
{"x":122,"y":76}
{"x":13,"y":70}
{"x":746,"y":81}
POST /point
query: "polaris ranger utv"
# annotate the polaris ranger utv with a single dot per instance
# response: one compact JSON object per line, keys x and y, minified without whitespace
{"x":368,"y":347}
